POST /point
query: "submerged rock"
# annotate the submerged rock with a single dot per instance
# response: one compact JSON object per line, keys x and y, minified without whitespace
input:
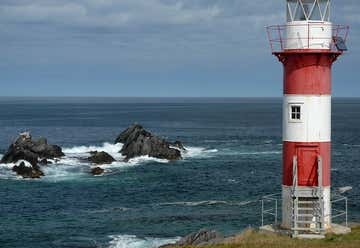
{"x":32,"y":151}
{"x":100,"y":158}
{"x":139,"y":142}
{"x":97,"y":171}
{"x":28,"y":171}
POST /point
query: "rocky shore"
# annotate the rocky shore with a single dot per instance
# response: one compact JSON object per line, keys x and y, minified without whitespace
{"x":29,"y":155}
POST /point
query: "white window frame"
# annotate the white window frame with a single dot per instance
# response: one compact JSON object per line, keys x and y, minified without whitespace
{"x":301,"y":106}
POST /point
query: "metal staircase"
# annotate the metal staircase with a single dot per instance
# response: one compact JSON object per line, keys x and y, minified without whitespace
{"x":308,"y":205}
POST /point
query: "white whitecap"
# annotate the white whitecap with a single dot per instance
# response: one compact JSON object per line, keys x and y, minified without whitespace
{"x":198,"y":152}
{"x":83,"y":151}
{"x":132,"y":241}
{"x":26,"y":163}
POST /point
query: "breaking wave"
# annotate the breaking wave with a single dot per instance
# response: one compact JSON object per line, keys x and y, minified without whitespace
{"x":132,"y":241}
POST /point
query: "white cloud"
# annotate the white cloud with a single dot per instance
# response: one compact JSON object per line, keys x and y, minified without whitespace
{"x":105,"y":13}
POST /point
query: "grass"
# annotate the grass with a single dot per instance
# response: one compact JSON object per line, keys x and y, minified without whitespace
{"x":253,"y":239}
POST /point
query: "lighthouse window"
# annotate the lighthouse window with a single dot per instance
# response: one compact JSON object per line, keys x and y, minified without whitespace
{"x":295,"y":112}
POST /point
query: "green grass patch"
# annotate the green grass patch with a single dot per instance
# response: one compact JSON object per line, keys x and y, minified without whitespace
{"x":253,"y":239}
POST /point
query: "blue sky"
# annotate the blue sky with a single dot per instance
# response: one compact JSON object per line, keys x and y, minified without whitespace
{"x":153,"y":48}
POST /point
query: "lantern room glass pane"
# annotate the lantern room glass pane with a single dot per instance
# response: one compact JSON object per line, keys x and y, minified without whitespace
{"x":316,"y":14}
{"x":300,"y":15}
{"x":291,"y":8}
{"x":325,"y":9}
{"x":308,"y":5}
{"x":303,"y":10}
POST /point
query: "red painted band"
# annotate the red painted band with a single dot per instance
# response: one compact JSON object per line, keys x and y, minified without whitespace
{"x":307,"y":162}
{"x":307,"y":73}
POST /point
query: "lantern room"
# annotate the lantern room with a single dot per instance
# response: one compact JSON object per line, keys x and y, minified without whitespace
{"x":308,"y":24}
{"x":308,"y":10}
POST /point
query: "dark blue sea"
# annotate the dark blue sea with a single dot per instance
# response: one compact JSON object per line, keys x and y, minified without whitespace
{"x":233,"y":158}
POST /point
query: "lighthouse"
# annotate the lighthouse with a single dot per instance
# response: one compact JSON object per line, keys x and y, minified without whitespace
{"x":307,"y":46}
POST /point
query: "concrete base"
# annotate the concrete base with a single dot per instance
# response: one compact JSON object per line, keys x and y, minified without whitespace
{"x":275,"y":229}
{"x":335,"y":229}
{"x":338,"y":229}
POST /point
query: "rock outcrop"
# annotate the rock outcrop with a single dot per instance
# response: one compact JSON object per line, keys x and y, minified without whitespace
{"x":33,"y":151}
{"x":200,"y":238}
{"x":139,"y":142}
{"x":100,"y":158}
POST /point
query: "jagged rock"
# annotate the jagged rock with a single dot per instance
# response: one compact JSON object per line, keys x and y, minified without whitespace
{"x":200,"y":238}
{"x":97,"y":171}
{"x":139,"y":142}
{"x":100,"y":158}
{"x":33,"y":151}
{"x":29,"y":171}
{"x":24,"y":148}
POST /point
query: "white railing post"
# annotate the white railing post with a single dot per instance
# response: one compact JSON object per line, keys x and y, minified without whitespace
{"x":262,"y":212}
{"x":276,"y":211}
{"x":346,"y":212}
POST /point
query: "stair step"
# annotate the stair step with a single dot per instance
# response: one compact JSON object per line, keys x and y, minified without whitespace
{"x":305,"y":209}
{"x":308,"y":215}
{"x":308,"y":222}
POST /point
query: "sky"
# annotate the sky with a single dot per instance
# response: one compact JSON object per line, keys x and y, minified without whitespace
{"x":154,"y":48}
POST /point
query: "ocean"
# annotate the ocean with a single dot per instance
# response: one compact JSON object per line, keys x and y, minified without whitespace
{"x":233,"y":158}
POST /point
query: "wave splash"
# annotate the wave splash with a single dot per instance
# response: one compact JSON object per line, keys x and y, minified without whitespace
{"x":132,"y":241}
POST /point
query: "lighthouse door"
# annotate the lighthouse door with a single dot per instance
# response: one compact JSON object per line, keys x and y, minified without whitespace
{"x":307,"y":165}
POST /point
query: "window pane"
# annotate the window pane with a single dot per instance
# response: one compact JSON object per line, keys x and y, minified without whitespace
{"x":296,"y":112}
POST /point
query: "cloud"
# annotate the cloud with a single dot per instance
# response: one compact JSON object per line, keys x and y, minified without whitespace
{"x":142,"y":30}
{"x":102,"y":13}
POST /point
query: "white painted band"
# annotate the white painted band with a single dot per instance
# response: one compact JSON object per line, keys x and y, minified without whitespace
{"x":314,"y":124}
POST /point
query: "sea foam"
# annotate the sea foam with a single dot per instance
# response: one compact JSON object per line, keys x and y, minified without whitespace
{"x":132,"y":241}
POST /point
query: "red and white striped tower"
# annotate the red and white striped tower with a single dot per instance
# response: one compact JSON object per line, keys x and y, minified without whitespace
{"x":309,"y":44}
